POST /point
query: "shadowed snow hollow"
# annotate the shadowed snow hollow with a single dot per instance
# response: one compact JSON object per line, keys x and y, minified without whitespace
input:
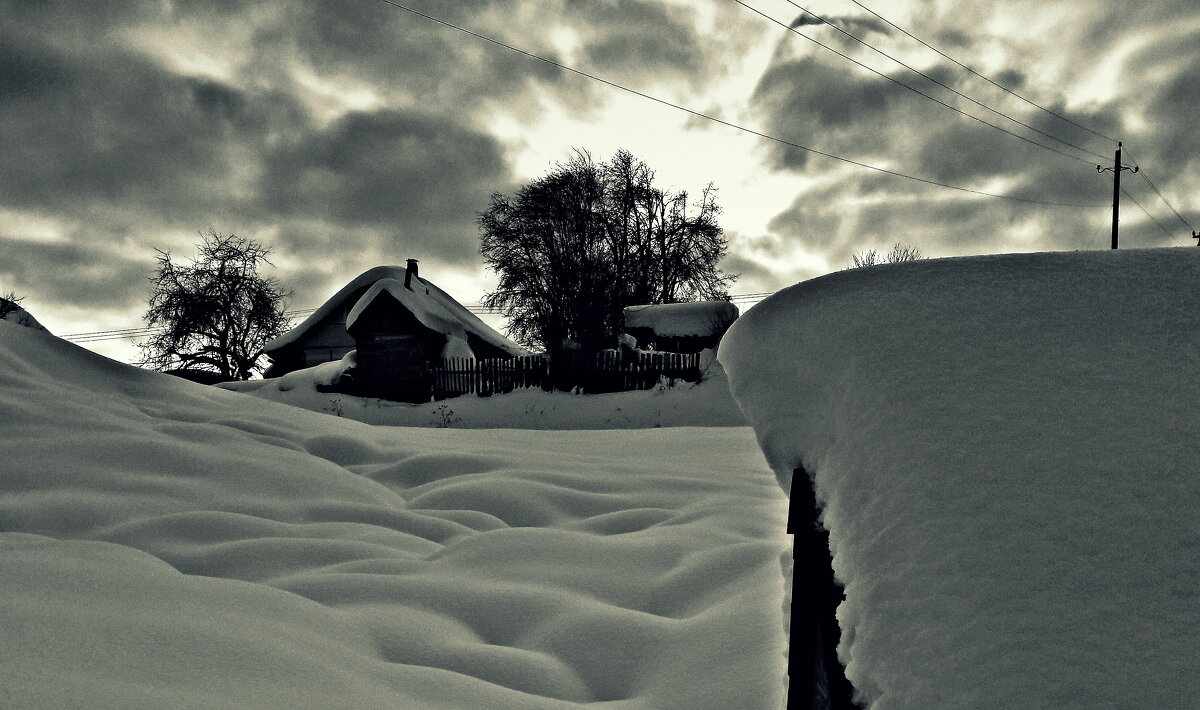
{"x":1005,"y":449}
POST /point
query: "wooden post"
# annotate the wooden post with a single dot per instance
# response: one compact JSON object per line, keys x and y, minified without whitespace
{"x":1116,"y":171}
{"x":1116,"y":194}
{"x":817,"y":680}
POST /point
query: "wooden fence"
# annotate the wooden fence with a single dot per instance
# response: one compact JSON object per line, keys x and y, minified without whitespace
{"x":458,"y":376}
{"x":606,"y":371}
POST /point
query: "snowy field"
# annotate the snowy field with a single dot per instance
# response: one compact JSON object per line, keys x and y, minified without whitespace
{"x":1006,"y":450}
{"x":167,"y":545}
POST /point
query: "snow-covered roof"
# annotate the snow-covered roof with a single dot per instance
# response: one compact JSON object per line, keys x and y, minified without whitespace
{"x":436,"y":309}
{"x":682,"y":319}
{"x":428,"y":310}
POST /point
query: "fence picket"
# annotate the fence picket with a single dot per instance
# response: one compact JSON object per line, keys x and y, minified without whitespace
{"x":604,"y":371}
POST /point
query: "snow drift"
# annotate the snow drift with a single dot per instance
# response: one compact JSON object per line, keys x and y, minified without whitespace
{"x":1006,"y":454}
{"x":167,"y":545}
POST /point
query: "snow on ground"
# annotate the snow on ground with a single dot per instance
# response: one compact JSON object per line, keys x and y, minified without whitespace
{"x":706,"y":404}
{"x":170,"y":545}
{"x":1006,"y":451}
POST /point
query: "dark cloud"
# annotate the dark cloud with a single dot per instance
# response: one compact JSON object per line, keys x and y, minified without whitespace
{"x":1011,"y":79}
{"x":114,"y":129}
{"x":644,"y":51}
{"x":859,"y":27}
{"x":25,"y":71}
{"x":93,"y":124}
{"x":74,"y":20}
{"x":874,"y":119}
{"x":73,"y":273}
{"x":402,"y":54}
{"x":814,"y":103}
{"x":218,"y":101}
{"x":642,"y":43}
{"x":951,"y":39}
{"x":422,"y":178}
{"x":819,"y":221}
{"x":753,"y":276}
{"x":1168,"y":142}
{"x":806,"y":20}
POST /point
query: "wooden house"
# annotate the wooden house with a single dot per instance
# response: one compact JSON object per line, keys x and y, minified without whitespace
{"x":399,"y":323}
{"x":680,"y":327}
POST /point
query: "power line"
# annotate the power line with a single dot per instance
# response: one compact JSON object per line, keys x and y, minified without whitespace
{"x":1160,"y":195}
{"x":894,"y":80}
{"x":981,"y":76}
{"x":1164,"y":199}
{"x":118,"y":331}
{"x":751,"y":131}
{"x":1147,"y":212}
{"x":101,"y":338}
{"x":940,"y":83}
{"x":142,"y":331}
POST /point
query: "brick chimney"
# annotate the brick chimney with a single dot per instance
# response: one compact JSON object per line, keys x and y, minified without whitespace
{"x":410,"y":273}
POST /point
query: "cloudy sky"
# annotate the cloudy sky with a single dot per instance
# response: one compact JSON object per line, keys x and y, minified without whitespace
{"x":351,"y":133}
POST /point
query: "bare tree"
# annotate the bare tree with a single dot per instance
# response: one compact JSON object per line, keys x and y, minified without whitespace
{"x":899,"y":252}
{"x":216,"y":314}
{"x":576,"y":246}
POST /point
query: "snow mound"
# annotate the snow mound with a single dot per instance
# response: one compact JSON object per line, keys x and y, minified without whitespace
{"x":1004,"y":452}
{"x":171,"y":545}
{"x":22,"y":317}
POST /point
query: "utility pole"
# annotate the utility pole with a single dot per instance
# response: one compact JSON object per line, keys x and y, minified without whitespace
{"x":1116,"y":171}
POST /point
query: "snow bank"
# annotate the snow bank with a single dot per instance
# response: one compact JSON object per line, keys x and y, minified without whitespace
{"x":1005,"y":451}
{"x":168,"y":545}
{"x":457,"y":348}
{"x":22,"y":317}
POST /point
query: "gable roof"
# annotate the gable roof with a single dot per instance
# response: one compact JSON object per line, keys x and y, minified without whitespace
{"x":682,"y":319}
{"x":436,"y":309}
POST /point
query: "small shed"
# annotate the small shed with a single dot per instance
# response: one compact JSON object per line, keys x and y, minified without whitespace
{"x":680,"y":327}
{"x":400,"y":328}
{"x":399,"y":323}
{"x":322,"y":336}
